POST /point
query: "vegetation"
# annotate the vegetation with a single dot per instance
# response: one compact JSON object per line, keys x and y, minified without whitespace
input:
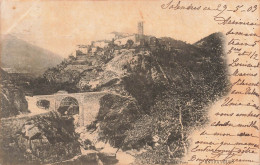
{"x":164,"y":89}
{"x":50,"y":138}
{"x":115,"y":117}
{"x":45,"y":104}
{"x":173,"y":87}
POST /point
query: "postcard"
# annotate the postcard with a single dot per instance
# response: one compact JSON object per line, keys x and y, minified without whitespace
{"x":120,"y":82}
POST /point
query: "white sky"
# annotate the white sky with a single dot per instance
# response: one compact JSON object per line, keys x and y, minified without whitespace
{"x":60,"y":25}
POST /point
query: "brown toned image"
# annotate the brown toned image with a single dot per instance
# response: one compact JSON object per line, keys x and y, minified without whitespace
{"x":129,"y":82}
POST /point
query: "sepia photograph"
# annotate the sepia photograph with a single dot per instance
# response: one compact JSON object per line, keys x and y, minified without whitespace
{"x":127,"y":82}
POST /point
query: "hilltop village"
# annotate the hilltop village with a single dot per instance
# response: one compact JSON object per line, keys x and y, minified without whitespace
{"x":129,"y":93}
{"x":120,"y":41}
{"x":93,"y":57}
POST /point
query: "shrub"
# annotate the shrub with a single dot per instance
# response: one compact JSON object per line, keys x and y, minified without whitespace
{"x":44,"y":104}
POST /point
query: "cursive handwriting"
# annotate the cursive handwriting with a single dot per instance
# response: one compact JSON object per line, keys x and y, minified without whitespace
{"x":236,"y":63}
{"x":220,"y":9}
{"x":243,"y":82}
{"x":239,"y":33}
{"x":237,"y":42}
{"x":230,"y":21}
{"x":252,"y":124}
{"x":179,"y":6}
{"x":238,"y":117}
{"x":229,"y":102}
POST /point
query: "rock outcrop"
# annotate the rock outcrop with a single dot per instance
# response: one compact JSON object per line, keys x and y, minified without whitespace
{"x":40,"y":139}
{"x":13,"y":100}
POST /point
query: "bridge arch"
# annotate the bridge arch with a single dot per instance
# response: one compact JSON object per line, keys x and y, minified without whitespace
{"x":69,"y":106}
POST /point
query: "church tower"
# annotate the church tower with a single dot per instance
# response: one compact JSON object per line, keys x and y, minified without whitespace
{"x":140,"y":30}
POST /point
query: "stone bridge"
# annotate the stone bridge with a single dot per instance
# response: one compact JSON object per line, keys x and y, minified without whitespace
{"x":88,"y":103}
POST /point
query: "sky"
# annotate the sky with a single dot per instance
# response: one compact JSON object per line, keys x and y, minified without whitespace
{"x":60,"y":25}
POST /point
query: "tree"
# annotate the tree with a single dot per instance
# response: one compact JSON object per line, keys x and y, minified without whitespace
{"x":129,"y":44}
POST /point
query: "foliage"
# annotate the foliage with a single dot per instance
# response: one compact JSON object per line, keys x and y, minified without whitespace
{"x":43,"y":104}
{"x":55,"y":127}
{"x":185,"y":80}
{"x":56,"y":142}
{"x":115,"y":117}
{"x":166,"y":94}
{"x":129,"y":44}
{"x":40,"y":86}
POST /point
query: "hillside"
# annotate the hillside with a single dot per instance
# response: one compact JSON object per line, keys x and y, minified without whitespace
{"x":212,"y":43}
{"x":168,"y":79}
{"x":159,"y":90}
{"x":24,"y":57}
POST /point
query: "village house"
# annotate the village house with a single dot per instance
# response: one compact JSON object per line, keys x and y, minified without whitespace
{"x":120,"y":40}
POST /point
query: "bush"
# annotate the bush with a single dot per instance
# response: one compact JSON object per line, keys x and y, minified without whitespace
{"x":44,"y":104}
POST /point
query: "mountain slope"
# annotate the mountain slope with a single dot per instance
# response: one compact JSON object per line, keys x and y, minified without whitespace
{"x":170,"y":82}
{"x":212,"y":43}
{"x":166,"y":83}
{"x":25,"y":57}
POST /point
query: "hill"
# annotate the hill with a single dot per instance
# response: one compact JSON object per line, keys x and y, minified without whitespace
{"x":173,"y":84}
{"x":160,"y":88}
{"x":212,"y":43}
{"x":24,"y":57}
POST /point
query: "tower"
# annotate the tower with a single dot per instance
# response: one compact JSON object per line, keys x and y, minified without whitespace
{"x":140,"y":29}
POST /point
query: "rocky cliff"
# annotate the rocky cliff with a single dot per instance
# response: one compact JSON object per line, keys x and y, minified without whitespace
{"x":13,"y":100}
{"x":40,"y":139}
